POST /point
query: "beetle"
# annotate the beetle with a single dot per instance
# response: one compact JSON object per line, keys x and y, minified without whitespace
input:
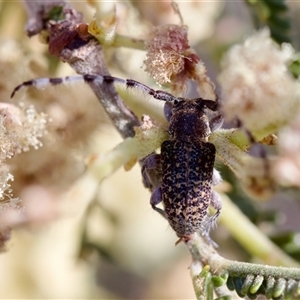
{"x":185,"y":166}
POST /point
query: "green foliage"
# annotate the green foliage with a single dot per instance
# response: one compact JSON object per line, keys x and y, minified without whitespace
{"x":294,"y":68}
{"x":273,"y":288}
{"x":56,"y":13}
{"x":273,"y":14}
{"x":287,"y":241}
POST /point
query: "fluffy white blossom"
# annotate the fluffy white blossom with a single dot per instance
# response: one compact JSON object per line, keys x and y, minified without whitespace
{"x":257,"y":86}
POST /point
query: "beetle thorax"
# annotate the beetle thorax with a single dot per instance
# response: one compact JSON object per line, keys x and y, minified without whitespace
{"x":189,"y":122}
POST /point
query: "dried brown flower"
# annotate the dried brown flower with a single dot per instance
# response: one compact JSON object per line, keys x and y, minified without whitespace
{"x":171,"y":60}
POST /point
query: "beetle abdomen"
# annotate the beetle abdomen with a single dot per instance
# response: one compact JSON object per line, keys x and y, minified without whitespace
{"x":186,"y":183}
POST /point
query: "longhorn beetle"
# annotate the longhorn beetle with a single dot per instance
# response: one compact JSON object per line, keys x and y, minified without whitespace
{"x":186,"y":162}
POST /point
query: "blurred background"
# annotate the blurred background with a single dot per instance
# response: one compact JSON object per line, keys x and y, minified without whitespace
{"x":114,"y":246}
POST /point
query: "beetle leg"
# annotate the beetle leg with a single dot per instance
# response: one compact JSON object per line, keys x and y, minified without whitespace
{"x":211,"y":220}
{"x":216,"y":178}
{"x":216,"y":203}
{"x":155,"y":199}
{"x":151,"y":171}
{"x":216,"y":123}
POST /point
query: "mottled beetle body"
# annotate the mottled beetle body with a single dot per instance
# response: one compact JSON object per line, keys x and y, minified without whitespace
{"x":186,"y":183}
{"x":187,"y":167}
{"x":181,"y":177}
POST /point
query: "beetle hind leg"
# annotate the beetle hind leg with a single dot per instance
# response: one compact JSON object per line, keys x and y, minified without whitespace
{"x":211,"y":220}
{"x":155,"y":199}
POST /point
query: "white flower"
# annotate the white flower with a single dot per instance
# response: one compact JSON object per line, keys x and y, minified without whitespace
{"x":257,"y":86}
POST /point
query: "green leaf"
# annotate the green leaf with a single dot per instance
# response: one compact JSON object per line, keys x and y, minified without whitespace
{"x":56,"y":13}
{"x":279,"y":288}
{"x":218,"y":281}
{"x":256,"y":284}
{"x":294,"y":68}
{"x":272,"y":13}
